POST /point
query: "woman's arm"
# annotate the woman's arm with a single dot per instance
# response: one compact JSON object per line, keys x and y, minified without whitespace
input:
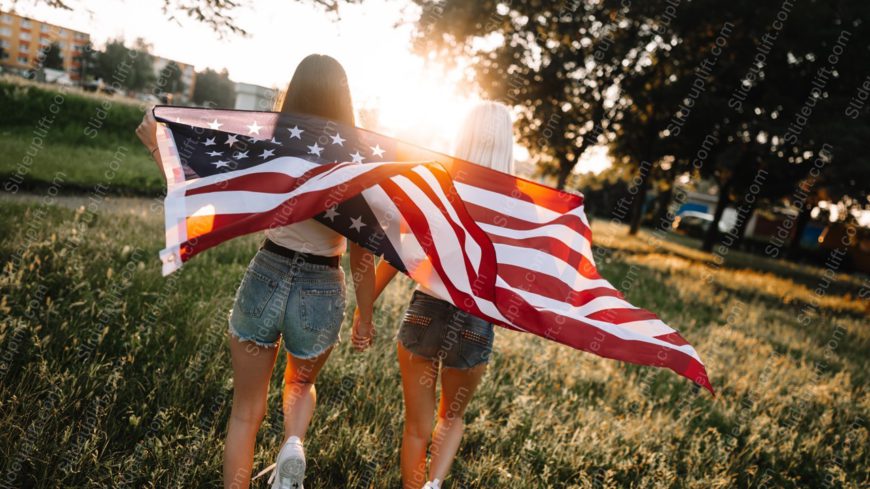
{"x":383,"y":275}
{"x":362,"y":266}
{"x":147,"y":133}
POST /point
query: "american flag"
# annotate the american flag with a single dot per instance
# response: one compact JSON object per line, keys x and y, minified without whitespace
{"x":508,"y":250}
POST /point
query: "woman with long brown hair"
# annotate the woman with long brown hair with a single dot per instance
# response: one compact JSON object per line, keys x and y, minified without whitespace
{"x":293,"y":288}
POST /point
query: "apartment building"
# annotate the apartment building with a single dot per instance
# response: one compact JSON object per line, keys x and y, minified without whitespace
{"x":22,"y":38}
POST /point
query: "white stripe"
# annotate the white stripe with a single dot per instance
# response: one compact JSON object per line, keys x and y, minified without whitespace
{"x":560,"y":232}
{"x":447,"y":245}
{"x":243,"y":201}
{"x":620,"y":331}
{"x":511,"y":206}
{"x":542,"y":262}
{"x":472,"y":248}
{"x":288,"y":165}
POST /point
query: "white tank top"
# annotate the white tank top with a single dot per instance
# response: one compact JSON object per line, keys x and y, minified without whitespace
{"x":308,"y":236}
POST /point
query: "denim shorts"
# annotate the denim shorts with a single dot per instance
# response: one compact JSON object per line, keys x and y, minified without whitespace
{"x":303,"y":302}
{"x":433,"y":328}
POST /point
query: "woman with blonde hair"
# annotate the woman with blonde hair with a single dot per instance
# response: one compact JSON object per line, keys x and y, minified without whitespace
{"x":437,"y":337}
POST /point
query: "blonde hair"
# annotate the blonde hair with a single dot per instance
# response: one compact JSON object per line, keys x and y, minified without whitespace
{"x":486,"y":137}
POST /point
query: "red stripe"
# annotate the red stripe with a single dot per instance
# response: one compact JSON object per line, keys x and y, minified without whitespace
{"x":512,"y":186}
{"x":486,"y":271}
{"x":553,"y":247}
{"x":586,"y":337}
{"x":263,"y":182}
{"x":549,"y":286}
{"x":620,"y":315}
{"x":295,"y":209}
{"x":486,"y":215}
{"x":416,"y":220}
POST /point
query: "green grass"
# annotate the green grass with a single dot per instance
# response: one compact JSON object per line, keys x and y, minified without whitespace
{"x":112,"y":376}
{"x":122,"y":169}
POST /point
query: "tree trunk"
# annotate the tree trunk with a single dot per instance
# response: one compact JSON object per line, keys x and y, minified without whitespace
{"x":721,"y":204}
{"x":664,"y":203}
{"x":743,"y":224}
{"x":563,"y":177}
{"x":638,"y":203}
{"x":803,"y":218}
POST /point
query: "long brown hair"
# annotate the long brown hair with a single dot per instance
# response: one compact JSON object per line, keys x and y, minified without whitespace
{"x":319,"y":87}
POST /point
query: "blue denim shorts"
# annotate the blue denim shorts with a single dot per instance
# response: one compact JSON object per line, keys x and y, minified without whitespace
{"x":435,"y":329}
{"x":303,"y":302}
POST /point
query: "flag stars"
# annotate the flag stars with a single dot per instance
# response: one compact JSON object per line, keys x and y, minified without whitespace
{"x":221,"y":163}
{"x":209,"y":142}
{"x":295,"y":132}
{"x":240,"y":154}
{"x":267,"y":153}
{"x":331,"y":213}
{"x":275,"y":141}
{"x":337,"y":139}
{"x":231,"y":140}
{"x":357,"y":158}
{"x":314,"y":149}
{"x":215,"y":153}
{"x":377,"y":151}
{"x":215,"y":125}
{"x":254,"y":128}
{"x":356,"y":223}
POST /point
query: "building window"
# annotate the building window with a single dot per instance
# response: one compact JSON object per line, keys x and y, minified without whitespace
{"x":23,"y":60}
{"x":23,"y":48}
{"x":25,"y":23}
{"x":25,"y":36}
{"x":44,"y":28}
{"x":61,"y":32}
{"x":4,"y":43}
{"x":5,"y":31}
{"x":81,"y":35}
{"x":6,"y":19}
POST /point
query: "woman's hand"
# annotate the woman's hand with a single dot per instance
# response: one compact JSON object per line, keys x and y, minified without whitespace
{"x":147,"y":131}
{"x":363,"y":332}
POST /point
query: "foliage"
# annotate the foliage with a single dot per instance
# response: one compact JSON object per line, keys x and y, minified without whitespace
{"x":80,"y":119}
{"x":123,"y":67}
{"x":214,"y":89}
{"x":169,"y":79}
{"x":53,"y":57}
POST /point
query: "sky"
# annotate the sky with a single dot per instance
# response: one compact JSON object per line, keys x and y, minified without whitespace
{"x":415,"y":100}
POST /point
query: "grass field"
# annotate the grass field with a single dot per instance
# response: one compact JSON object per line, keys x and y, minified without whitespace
{"x":112,"y":376}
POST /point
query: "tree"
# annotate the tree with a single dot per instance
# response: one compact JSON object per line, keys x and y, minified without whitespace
{"x":169,"y":80}
{"x":214,"y":89}
{"x":53,"y":57}
{"x":217,"y":14}
{"x":124,"y":67}
{"x":555,"y":66}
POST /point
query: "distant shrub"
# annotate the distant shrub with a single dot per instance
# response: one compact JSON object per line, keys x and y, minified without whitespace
{"x":73,"y":117}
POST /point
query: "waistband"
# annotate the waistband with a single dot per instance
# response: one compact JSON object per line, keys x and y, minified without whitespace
{"x":330,"y":261}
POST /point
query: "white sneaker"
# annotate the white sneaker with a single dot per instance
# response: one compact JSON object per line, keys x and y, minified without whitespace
{"x":290,"y":465}
{"x":436,"y":484}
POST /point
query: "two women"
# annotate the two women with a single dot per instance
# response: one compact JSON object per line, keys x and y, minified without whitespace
{"x":294,"y":288}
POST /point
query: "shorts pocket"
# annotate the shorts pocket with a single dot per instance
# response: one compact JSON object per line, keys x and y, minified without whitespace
{"x":475,"y":344}
{"x":414,"y":326}
{"x":255,"y":292}
{"x":322,"y":309}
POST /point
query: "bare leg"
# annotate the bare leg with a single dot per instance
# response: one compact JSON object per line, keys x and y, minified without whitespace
{"x":418,"y":387}
{"x":300,"y":395}
{"x":252,"y":370}
{"x":457,"y":387}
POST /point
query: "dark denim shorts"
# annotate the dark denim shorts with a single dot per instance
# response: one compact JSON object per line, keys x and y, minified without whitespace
{"x":433,"y":328}
{"x":301,"y":302}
